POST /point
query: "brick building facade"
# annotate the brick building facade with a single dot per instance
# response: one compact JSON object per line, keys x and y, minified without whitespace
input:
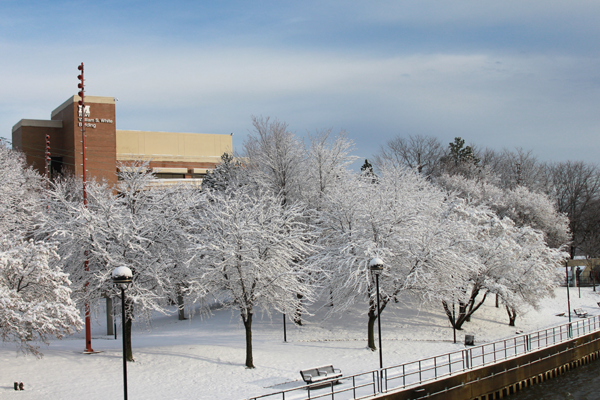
{"x":172,"y":156}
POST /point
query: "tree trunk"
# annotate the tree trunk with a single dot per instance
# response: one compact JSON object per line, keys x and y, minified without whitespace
{"x":248,"y":325}
{"x":512,"y":315}
{"x":109,"y":317}
{"x":180,"y":305}
{"x":465,"y":310}
{"x":450,"y":314}
{"x":371,"y":336}
{"x":373,"y":315}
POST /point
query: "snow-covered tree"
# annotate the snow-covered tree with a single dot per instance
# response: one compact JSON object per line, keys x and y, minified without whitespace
{"x":275,"y":158}
{"x":389,"y":219}
{"x":35,"y":302}
{"x":34,"y":295}
{"x":499,"y":258}
{"x":532,"y":274}
{"x":524,"y":207}
{"x":251,"y":254}
{"x":520,"y":207}
{"x":228,"y":172}
{"x":137,"y":225}
{"x":21,"y":196}
{"x":326,"y":161}
{"x":418,"y":152}
{"x":443,"y":262}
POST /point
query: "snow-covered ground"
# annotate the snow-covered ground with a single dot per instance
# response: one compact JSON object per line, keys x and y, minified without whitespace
{"x":204,"y":358}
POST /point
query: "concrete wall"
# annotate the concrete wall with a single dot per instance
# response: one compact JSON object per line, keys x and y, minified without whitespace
{"x":504,"y":378}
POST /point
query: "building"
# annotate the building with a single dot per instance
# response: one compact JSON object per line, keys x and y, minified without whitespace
{"x":172,"y":156}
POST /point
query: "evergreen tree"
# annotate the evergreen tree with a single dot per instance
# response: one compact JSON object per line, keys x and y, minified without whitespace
{"x":459,"y":153}
{"x":367,"y":171}
{"x":224,"y":174}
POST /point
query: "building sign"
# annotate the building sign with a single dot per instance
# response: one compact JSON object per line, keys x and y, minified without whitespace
{"x":91,"y":122}
{"x":86,"y":111}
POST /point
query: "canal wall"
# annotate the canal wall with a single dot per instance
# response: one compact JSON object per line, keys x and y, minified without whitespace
{"x":501,"y":379}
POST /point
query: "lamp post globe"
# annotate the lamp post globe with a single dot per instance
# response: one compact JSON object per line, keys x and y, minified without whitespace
{"x":122,"y":278}
{"x":376,"y":265}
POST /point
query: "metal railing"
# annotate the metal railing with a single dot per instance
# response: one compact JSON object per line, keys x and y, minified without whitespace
{"x":428,"y":369}
{"x":359,"y":386}
{"x":583,"y":281}
{"x":415,"y":373}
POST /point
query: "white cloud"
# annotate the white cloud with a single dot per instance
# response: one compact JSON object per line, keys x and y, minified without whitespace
{"x":490,"y":97}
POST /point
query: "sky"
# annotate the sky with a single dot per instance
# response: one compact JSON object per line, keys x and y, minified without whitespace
{"x":500,"y":74}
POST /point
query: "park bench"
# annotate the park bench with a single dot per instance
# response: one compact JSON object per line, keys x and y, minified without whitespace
{"x":322,"y":374}
{"x":580,"y":313}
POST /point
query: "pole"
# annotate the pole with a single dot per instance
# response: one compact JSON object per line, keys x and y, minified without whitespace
{"x":578,"y":274}
{"x":86,"y":267}
{"x":379,"y":323}
{"x":114,"y":311}
{"x":568,"y":297}
{"x":123,"y":322}
{"x":48,"y":160}
{"x":284,"y":330}
{"x":454,"y":322}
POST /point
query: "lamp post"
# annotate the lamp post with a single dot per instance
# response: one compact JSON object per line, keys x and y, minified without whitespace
{"x":568,"y":296}
{"x":376,"y":267}
{"x":122,"y":277}
{"x":577,"y":280}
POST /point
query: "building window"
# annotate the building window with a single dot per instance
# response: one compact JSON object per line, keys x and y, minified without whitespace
{"x":56,"y":167}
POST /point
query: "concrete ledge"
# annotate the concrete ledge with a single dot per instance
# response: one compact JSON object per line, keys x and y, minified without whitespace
{"x":170,"y":170}
{"x":41,"y":123}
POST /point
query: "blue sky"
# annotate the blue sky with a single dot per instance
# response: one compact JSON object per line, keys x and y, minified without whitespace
{"x":496,"y":73}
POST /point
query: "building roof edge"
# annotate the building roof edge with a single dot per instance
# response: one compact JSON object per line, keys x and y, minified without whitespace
{"x":89,"y":99}
{"x":44,"y":123}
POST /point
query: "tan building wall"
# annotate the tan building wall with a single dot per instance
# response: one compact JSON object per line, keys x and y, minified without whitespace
{"x":173,"y":150}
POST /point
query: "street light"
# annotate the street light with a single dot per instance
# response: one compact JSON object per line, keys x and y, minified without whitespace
{"x":577,"y":280}
{"x":568,"y":296}
{"x":122,"y":277}
{"x":376,"y":267}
